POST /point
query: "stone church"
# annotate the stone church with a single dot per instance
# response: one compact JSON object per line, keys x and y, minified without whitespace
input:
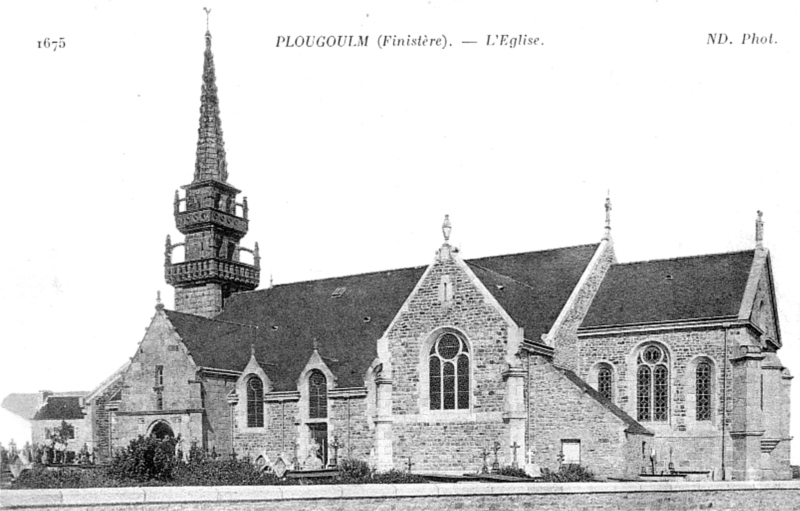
{"x":553,"y":357}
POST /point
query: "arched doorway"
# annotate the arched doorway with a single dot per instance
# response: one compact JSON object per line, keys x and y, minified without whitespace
{"x":161,"y":430}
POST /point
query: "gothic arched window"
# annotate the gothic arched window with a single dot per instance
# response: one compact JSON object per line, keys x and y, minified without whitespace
{"x":605,"y":382}
{"x":448,"y":365}
{"x":317,"y":395}
{"x":255,"y":402}
{"x":652,"y":385}
{"x":703,"y":391}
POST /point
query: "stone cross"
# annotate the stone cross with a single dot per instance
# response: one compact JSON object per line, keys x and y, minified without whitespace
{"x":409,"y":464}
{"x":496,"y":464}
{"x":514,"y":447}
{"x":485,"y":467}
{"x":335,"y":445}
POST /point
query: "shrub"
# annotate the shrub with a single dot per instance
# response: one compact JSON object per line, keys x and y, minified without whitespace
{"x":568,"y":474}
{"x":513,"y":472}
{"x":396,"y":477}
{"x":41,"y":477}
{"x":354,"y":470}
{"x":146,"y":458}
{"x":230,"y":472}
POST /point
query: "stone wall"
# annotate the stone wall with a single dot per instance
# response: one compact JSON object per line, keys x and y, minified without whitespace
{"x":348,"y":422}
{"x":695,"y":445}
{"x":774,"y":495}
{"x":101,"y":421}
{"x":181,"y":401}
{"x":449,"y":297}
{"x":83,"y":432}
{"x":203,"y":301}
{"x":565,"y":332}
{"x":277,"y":437}
{"x":217,"y":427}
{"x":560,"y":410}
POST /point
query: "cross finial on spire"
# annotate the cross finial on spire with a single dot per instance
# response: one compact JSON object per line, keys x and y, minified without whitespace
{"x":759,"y":230}
{"x":159,"y":305}
{"x":316,"y":344}
{"x":252,"y":350}
{"x":208,"y":11}
{"x":446,"y":228}
{"x":607,"y":234}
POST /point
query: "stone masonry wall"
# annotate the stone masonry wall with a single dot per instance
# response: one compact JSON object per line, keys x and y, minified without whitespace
{"x":347,"y":419}
{"x":451,"y":439}
{"x":82,"y":428}
{"x":279,"y":435}
{"x":565,"y":339}
{"x":181,"y":392}
{"x":101,"y":422}
{"x":560,"y":410}
{"x":203,"y":301}
{"x":696,"y":445}
{"x":510,"y":496}
{"x":217,"y":413}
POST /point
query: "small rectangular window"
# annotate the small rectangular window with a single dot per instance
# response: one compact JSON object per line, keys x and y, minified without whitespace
{"x":172,"y":347}
{"x":571,"y":451}
{"x":159,"y":376}
{"x":159,"y":400}
{"x":339,"y":291}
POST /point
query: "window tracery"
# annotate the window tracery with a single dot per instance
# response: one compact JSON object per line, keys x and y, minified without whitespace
{"x":652,"y":384}
{"x":448,"y":366}
{"x":317,"y":395}
{"x":255,"y":402}
{"x":605,"y":382}
{"x":703,"y":391}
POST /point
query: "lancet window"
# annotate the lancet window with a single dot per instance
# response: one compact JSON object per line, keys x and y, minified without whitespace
{"x":317,"y":395}
{"x":255,"y":402}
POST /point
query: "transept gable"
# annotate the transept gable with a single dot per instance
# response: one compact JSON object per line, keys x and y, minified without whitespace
{"x":759,"y":305}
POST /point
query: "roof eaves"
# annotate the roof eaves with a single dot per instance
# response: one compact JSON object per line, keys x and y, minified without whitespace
{"x":668,"y":324}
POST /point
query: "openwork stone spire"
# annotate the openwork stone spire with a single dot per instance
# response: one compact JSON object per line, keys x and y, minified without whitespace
{"x":210,"y":163}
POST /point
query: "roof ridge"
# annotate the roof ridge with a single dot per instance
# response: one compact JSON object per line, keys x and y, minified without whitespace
{"x":678,"y":258}
{"x":212,"y":319}
{"x":535,"y":251}
{"x":331,"y":278}
{"x":469,"y":261}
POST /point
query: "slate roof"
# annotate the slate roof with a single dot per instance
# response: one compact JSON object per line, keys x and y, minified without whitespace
{"x":633,"y":425}
{"x":700,"y":287}
{"x":534,"y":286}
{"x":60,"y":408}
{"x":290,"y":317}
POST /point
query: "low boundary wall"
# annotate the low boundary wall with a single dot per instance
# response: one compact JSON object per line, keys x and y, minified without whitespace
{"x":745,"y":495}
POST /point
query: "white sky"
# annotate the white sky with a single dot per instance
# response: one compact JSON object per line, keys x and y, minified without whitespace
{"x":351,"y":156}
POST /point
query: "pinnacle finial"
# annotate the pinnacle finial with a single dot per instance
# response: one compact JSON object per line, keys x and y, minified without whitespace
{"x":316,"y":344}
{"x":159,"y":305}
{"x":208,"y":11}
{"x":446,"y":228}
{"x":608,"y":216}
{"x":252,"y":350}
{"x":759,"y":230}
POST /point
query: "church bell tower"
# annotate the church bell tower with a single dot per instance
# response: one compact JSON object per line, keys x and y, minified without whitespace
{"x":211,"y":219}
